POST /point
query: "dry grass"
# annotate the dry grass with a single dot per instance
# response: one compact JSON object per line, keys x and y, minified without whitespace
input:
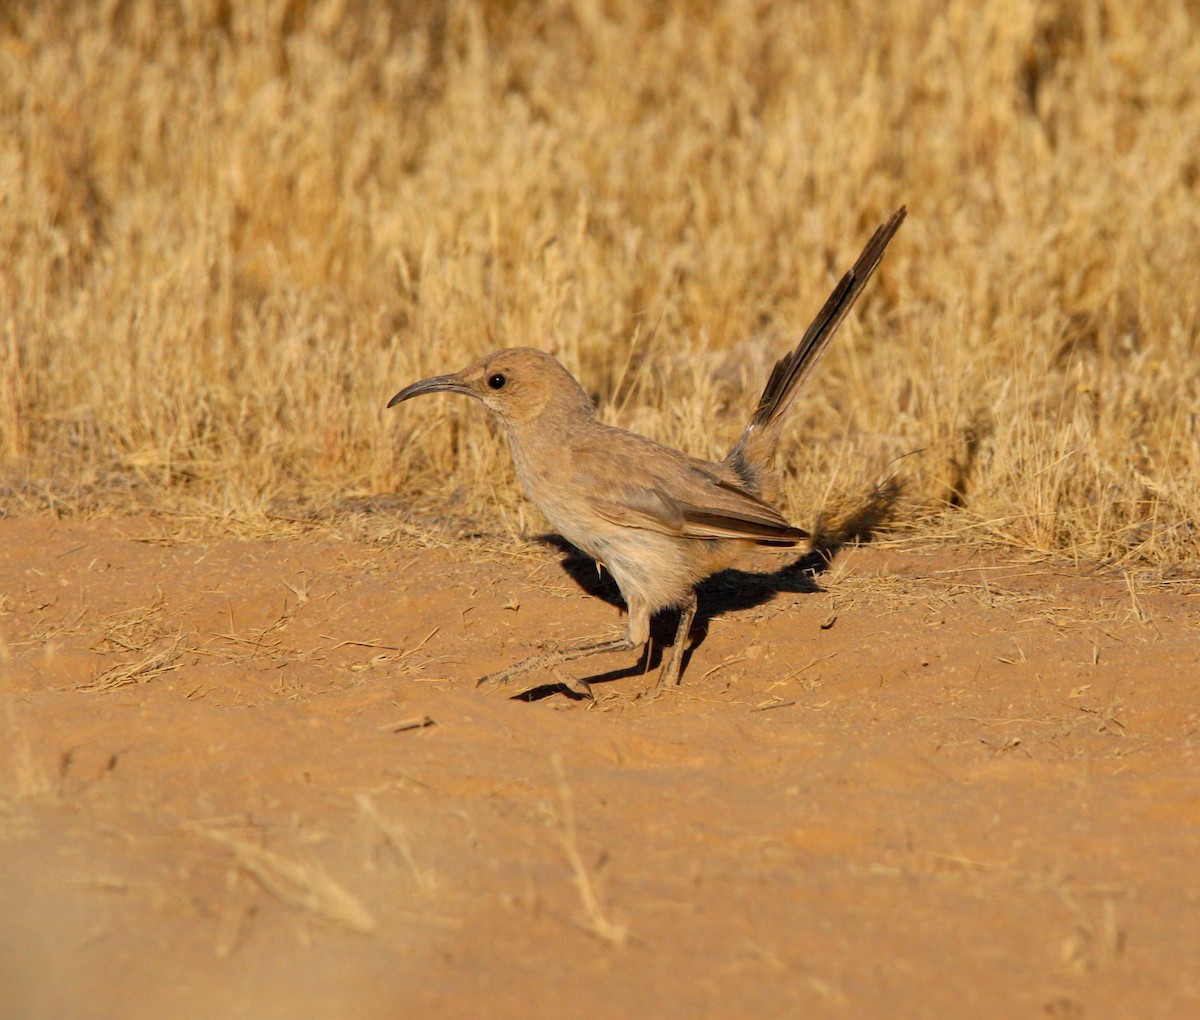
{"x":298,"y":884}
{"x":231,"y":231}
{"x":598,"y":920}
{"x":398,"y":838}
{"x":138,"y":671}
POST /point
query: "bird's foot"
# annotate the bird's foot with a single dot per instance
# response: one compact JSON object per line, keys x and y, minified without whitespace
{"x":574,"y":684}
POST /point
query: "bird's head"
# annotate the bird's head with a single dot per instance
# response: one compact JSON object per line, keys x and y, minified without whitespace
{"x":517,"y":385}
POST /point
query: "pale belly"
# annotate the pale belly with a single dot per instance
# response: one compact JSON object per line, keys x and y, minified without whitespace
{"x":655,"y":569}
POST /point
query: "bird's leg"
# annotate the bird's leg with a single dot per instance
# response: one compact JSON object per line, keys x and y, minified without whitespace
{"x":670,"y":671}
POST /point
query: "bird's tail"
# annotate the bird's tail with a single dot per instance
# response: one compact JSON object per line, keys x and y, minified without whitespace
{"x":755,"y":450}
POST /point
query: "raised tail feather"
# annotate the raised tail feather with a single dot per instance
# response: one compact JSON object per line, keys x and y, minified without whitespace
{"x":756,"y":447}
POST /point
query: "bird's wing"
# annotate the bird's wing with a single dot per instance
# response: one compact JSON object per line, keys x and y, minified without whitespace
{"x":665,"y":491}
{"x":656,"y":510}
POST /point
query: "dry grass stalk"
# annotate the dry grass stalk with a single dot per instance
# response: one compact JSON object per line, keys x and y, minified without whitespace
{"x":599,"y":922}
{"x":397,"y":837}
{"x":1097,"y":943}
{"x":299,"y":885}
{"x":234,"y":913}
{"x":31,"y":780}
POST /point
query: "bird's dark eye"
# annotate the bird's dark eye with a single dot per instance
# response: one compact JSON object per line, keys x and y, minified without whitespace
{"x":497,"y":380}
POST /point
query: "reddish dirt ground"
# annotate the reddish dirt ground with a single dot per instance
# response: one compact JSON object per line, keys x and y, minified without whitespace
{"x":255,"y":778}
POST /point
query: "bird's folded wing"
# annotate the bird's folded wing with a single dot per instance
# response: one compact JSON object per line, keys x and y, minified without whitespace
{"x":731,"y":513}
{"x":663,"y":490}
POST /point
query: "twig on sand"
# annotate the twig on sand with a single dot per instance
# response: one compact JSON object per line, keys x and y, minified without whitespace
{"x":413,"y":722}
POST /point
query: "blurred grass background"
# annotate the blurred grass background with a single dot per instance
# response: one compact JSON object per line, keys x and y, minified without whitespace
{"x":230,"y":231}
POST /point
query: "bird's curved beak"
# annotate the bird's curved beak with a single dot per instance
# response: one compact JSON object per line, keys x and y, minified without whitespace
{"x":438,"y":384}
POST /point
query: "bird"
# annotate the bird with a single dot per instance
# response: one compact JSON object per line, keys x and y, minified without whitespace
{"x":659,"y":520}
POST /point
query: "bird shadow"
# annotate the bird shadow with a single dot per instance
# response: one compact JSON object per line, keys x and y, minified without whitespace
{"x":727,"y":591}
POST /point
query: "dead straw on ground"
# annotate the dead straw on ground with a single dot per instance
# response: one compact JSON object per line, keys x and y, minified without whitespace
{"x":300,"y":885}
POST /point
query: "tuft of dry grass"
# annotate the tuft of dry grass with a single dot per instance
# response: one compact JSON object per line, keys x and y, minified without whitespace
{"x":231,"y":231}
{"x":397,"y":837}
{"x":299,"y":885}
{"x":138,"y":671}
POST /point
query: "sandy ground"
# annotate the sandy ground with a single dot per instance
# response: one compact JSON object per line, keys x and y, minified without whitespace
{"x":249,"y":778}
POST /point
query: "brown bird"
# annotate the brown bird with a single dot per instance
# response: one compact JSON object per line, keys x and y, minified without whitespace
{"x":659,"y":520}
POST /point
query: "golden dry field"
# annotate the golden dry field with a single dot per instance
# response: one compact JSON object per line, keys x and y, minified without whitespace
{"x":230,"y":231}
{"x":244,"y":770}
